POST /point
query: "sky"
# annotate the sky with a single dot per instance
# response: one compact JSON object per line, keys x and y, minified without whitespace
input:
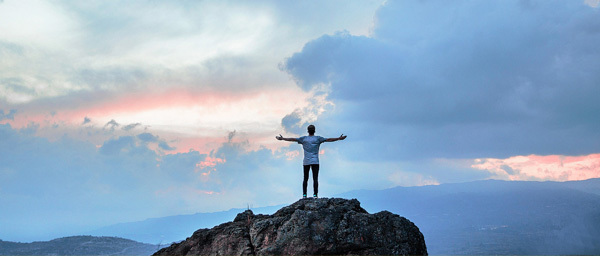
{"x":120,"y":111}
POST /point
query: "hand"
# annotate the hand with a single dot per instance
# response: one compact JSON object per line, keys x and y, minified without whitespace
{"x":279,"y":137}
{"x":342,"y":137}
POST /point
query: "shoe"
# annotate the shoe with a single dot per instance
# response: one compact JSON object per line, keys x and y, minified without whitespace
{"x":315,"y":196}
{"x":303,"y":196}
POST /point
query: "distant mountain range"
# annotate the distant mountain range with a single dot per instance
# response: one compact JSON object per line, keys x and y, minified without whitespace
{"x":79,"y":245}
{"x":170,"y":229}
{"x":480,"y":217}
{"x":498,"y":217}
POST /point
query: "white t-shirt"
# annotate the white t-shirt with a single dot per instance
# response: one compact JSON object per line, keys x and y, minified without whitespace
{"x":311,"y":148}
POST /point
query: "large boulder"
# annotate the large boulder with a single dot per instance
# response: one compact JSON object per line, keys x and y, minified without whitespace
{"x":308,"y":227}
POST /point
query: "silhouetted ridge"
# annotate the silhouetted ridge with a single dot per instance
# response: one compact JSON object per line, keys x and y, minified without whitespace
{"x":308,"y":227}
{"x":78,"y":245}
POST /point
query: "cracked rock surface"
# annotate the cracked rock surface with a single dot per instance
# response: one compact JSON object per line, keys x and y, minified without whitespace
{"x":308,"y":227}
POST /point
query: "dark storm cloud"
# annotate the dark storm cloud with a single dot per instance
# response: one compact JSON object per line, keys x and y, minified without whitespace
{"x":471,"y":79}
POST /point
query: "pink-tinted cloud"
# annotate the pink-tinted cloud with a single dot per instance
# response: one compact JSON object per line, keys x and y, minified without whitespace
{"x":291,"y":155}
{"x":201,"y":144}
{"x":534,"y":167}
{"x":106,"y":105}
{"x":207,"y":166}
{"x":185,"y":118}
{"x":210,"y":162}
{"x":135,"y":102}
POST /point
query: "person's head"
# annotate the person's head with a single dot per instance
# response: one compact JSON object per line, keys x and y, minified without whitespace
{"x":311,"y":130}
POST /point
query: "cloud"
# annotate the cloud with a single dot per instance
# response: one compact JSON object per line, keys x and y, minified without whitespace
{"x":593,"y":3}
{"x":111,"y":125}
{"x":493,"y":79}
{"x":210,"y":45}
{"x":293,"y":122}
{"x":165,"y":146}
{"x":133,"y":144}
{"x":534,"y":167}
{"x":253,"y":174}
{"x":182,"y":167}
{"x":230,"y":136}
{"x":7,"y":116}
{"x":317,"y":103}
{"x":148,"y":137}
{"x":73,"y":178}
{"x":124,"y":144}
{"x":77,"y":185}
{"x":58,"y":178}
{"x":30,"y":129}
{"x":130,"y":126}
{"x":185,"y":67}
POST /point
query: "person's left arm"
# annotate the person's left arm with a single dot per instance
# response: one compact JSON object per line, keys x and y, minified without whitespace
{"x":342,"y":137}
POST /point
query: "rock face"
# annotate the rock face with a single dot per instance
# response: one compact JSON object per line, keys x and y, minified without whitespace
{"x":308,"y":227}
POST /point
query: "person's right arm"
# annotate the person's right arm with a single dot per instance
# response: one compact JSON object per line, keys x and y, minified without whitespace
{"x":286,"y":139}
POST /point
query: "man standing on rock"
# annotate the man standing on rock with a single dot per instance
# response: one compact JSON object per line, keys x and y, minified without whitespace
{"x":311,"y":145}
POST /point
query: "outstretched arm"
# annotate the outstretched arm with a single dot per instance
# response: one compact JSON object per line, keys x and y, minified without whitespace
{"x":342,"y":137}
{"x":286,"y":139}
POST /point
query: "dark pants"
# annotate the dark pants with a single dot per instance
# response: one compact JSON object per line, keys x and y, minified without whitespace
{"x":315,"y":171}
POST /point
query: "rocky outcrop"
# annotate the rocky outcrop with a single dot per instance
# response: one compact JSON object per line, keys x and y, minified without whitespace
{"x":308,"y":227}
